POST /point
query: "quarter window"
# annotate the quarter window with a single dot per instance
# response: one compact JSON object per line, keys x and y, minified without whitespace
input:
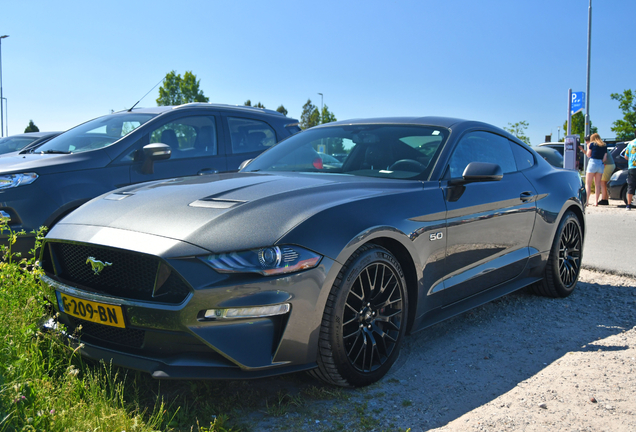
{"x":482,"y":147}
{"x":523,"y":157}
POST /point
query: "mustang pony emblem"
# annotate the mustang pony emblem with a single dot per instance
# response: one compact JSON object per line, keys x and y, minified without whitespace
{"x":97,"y":265}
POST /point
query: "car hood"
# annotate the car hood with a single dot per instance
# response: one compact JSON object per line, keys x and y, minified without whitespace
{"x":51,"y":163}
{"x":228,"y":212}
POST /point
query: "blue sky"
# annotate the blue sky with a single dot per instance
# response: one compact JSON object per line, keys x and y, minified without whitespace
{"x":498,"y":61}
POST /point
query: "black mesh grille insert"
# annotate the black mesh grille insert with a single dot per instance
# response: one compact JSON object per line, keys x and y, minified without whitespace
{"x":125,"y":274}
{"x":128,"y":337}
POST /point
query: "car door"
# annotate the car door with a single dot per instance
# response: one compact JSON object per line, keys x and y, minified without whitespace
{"x":489,"y":223}
{"x":194,"y":143}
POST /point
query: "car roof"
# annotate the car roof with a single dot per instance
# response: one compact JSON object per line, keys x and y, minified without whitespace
{"x":428,"y":120}
{"x":237,"y":108}
{"x":445,"y":122}
{"x":32,"y":134}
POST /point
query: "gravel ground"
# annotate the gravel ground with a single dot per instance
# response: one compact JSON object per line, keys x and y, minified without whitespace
{"x":520,"y":363}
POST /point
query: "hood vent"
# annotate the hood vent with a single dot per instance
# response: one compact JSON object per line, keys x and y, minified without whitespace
{"x":215,"y":203}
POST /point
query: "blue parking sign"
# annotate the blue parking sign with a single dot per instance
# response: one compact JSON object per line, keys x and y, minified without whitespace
{"x":577,"y":103}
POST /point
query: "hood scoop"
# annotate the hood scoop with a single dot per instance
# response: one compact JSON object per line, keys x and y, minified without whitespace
{"x":215,"y":203}
{"x":118,"y":196}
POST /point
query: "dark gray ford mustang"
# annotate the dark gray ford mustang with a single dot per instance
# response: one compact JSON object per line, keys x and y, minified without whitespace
{"x":294,"y":264}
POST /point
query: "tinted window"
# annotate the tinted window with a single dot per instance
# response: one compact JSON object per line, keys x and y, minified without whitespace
{"x":482,"y":147}
{"x":188,"y":137}
{"x":523,"y":157}
{"x":249,"y":135}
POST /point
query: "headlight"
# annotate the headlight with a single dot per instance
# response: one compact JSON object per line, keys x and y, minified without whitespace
{"x":15,"y":180}
{"x":267,"y":261}
{"x":614,"y":176}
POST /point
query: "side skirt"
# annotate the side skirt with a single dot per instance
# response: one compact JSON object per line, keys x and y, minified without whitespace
{"x":442,"y":313}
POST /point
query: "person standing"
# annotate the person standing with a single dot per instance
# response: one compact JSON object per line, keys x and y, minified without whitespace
{"x":607,"y":174}
{"x":630,"y":155}
{"x":597,"y":152}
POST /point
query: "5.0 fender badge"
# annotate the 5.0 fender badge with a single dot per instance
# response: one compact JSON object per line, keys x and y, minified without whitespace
{"x":97,"y":265}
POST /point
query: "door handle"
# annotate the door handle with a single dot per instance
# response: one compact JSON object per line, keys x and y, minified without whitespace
{"x":527,"y":196}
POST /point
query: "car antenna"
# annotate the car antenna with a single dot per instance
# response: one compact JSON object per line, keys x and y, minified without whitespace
{"x":131,"y":108}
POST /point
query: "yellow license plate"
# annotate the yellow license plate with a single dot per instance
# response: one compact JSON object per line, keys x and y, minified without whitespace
{"x":101,"y":313}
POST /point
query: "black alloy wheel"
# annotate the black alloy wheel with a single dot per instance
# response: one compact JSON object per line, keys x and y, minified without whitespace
{"x":372,"y":317}
{"x":570,"y":253}
{"x":564,"y":262}
{"x":364,"y":320}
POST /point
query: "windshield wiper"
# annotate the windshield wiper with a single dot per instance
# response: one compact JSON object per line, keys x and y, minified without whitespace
{"x":55,"y":152}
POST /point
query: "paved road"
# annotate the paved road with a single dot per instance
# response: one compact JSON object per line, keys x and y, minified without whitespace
{"x":610,"y":242}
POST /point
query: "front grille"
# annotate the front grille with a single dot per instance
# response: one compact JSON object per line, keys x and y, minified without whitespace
{"x":132,"y":338}
{"x":130,"y":275}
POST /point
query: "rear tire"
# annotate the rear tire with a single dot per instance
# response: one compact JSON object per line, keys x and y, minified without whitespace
{"x":364,"y":320}
{"x":564,"y":262}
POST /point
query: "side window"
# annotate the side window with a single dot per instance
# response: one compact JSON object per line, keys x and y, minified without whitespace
{"x":523,"y":157}
{"x":188,"y":137}
{"x":482,"y":147}
{"x":250,"y":135}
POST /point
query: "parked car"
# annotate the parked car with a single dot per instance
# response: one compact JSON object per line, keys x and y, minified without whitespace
{"x":558,"y":146}
{"x":551,"y":155}
{"x":292,"y":265}
{"x":18,"y":142}
{"x":39,"y":186}
{"x":619,"y":161}
{"x":617,"y":187}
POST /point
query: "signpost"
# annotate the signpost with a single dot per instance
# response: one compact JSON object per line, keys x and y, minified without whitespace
{"x":577,"y":102}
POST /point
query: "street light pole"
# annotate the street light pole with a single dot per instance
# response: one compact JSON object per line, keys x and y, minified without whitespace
{"x":321,"y":105}
{"x":589,"y":49}
{"x":1,"y":96}
{"x":587,"y":104}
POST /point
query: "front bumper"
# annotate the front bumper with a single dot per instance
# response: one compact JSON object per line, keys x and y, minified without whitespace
{"x":174,"y":341}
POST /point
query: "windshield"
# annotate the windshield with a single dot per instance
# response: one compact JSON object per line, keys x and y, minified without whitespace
{"x":95,"y":134}
{"x":390,"y":151}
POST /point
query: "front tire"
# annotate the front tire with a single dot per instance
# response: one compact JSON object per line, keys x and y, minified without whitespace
{"x":364,"y":319}
{"x":564,"y":262}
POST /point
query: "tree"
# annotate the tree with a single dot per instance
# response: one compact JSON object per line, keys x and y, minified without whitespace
{"x":578,"y":126}
{"x":249,"y":104}
{"x":281,"y":109}
{"x":519,"y":129}
{"x":310,"y":116}
{"x":327,"y":116}
{"x":625,"y":128}
{"x":176,"y":90}
{"x":31,"y":127}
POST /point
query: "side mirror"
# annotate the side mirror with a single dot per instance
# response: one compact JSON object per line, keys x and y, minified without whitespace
{"x":154,"y":152}
{"x":482,"y":171}
{"x":244,"y":164}
{"x":479,"y":172}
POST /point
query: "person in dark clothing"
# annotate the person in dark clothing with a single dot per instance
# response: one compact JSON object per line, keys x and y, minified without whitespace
{"x":597,"y":152}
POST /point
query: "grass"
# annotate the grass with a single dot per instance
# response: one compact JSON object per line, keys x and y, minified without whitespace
{"x":47,"y":386}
